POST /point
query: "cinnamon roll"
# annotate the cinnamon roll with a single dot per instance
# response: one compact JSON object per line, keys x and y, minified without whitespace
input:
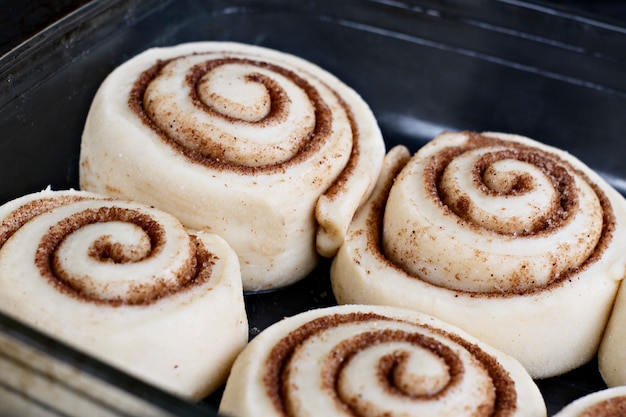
{"x":375,"y":360}
{"x":610,"y":402}
{"x":125,"y":283}
{"x":518,"y":243}
{"x":265,"y":149}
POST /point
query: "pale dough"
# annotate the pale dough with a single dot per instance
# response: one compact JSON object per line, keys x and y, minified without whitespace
{"x":477,"y":277}
{"x":124,"y":283}
{"x":265,"y":149}
{"x":610,"y":402}
{"x":373,"y":361}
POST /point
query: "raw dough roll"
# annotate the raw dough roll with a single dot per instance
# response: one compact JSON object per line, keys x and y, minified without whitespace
{"x":518,"y":243}
{"x":265,"y":149}
{"x":125,"y":283}
{"x":609,"y":402}
{"x":374,"y":361}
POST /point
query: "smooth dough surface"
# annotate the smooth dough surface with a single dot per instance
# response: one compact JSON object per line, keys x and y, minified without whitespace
{"x":505,"y":287}
{"x":610,"y":402}
{"x":375,"y":360}
{"x":124,"y":283}
{"x":612,"y":352}
{"x":263,"y":148}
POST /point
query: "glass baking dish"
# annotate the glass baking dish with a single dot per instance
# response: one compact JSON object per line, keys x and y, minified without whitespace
{"x":423,"y":66}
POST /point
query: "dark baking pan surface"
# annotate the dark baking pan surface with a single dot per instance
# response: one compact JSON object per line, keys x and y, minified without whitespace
{"x":423,"y":66}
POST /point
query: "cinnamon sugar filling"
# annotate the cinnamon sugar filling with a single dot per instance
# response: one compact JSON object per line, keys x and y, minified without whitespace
{"x":553,"y":166}
{"x":208,"y":149}
{"x":276,"y":374}
{"x":195,"y":270}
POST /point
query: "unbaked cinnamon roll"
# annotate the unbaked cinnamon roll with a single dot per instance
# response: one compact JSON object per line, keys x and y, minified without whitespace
{"x":609,"y":402}
{"x":518,"y":243}
{"x":374,"y":361}
{"x":125,"y":283}
{"x":263,"y":148}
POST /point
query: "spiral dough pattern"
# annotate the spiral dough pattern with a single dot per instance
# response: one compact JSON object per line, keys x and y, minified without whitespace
{"x":118,"y":280}
{"x":517,"y":216}
{"x":265,"y":149}
{"x":367,"y":361}
{"x":498,"y":234}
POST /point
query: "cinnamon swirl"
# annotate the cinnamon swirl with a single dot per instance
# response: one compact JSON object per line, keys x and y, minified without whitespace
{"x":610,"y":402}
{"x":125,"y":283}
{"x":375,"y":360}
{"x":265,"y":149}
{"x":518,"y":243}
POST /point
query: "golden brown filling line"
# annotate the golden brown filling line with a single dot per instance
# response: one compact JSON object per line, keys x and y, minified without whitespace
{"x":276,"y":375}
{"x":208,"y":150}
{"x":555,"y":167}
{"x":11,"y":223}
{"x":195,"y":271}
{"x":611,"y":407}
{"x":552,"y":166}
{"x":278,"y":97}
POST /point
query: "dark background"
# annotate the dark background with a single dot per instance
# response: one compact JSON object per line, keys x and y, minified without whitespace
{"x":21,"y":19}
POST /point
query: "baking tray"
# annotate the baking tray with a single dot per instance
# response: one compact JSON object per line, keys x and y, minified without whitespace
{"x":423,"y":66}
